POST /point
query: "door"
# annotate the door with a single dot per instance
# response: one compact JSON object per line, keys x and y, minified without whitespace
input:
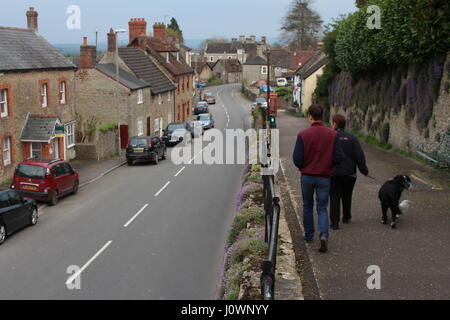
{"x":70,"y":176}
{"x":123,"y":136}
{"x":61,"y":179}
{"x":55,"y":148}
{"x":20,"y":210}
{"x":149,"y":124}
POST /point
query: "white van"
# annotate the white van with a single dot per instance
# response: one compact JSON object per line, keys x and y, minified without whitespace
{"x":282,"y":82}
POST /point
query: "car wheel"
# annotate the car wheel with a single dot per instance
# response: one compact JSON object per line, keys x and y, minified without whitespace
{"x":55,"y":198}
{"x":75,"y":188}
{"x":34,"y":217}
{"x":2,"y":233}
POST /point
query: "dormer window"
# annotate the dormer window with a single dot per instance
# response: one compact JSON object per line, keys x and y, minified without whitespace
{"x":178,"y":56}
{"x":168,"y":57}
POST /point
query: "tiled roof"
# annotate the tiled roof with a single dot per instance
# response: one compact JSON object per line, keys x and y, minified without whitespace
{"x":300,"y":57}
{"x":174,"y":66}
{"x":230,"y":47}
{"x":160,"y":45}
{"x":144,"y":68}
{"x":281,"y":58}
{"x":256,"y":61}
{"x":231,"y":65}
{"x":125,"y":78}
{"x":200,"y":65}
{"x":38,"y":128}
{"x":314,"y":64}
{"x":26,"y":50}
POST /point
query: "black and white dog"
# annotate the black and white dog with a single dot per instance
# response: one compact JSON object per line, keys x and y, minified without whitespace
{"x":390,"y":194}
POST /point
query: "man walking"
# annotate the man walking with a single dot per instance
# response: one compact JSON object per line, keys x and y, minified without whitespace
{"x":316,"y":150}
{"x":344,"y":174}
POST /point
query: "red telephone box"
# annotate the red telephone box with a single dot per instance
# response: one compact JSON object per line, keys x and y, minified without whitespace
{"x":273,"y":104}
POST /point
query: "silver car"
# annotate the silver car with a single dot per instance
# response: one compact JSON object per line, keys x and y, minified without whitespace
{"x":207,"y":120}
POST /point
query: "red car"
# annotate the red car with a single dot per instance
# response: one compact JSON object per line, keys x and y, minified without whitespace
{"x":45,"y":179}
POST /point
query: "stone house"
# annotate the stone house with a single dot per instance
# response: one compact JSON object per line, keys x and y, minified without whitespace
{"x":37,"y":99}
{"x":228,"y":70}
{"x":141,"y":101}
{"x":281,"y":61}
{"x":255,"y":70}
{"x":204,"y":70}
{"x":305,"y":80}
{"x":170,"y":61}
{"x":242,"y":49}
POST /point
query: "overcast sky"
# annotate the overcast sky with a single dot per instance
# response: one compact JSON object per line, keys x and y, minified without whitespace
{"x":199,"y":19}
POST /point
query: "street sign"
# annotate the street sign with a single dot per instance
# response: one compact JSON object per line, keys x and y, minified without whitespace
{"x":59,"y":131}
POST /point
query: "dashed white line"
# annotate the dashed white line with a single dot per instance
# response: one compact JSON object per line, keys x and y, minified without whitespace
{"x":78,"y":273}
{"x":190,"y":161}
{"x":135,"y":216}
{"x":178,"y":173}
{"x":162,"y":189}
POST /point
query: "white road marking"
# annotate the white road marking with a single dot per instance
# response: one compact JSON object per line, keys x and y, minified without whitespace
{"x":135,"y":216}
{"x":190,"y":161}
{"x":78,"y":273}
{"x":162,"y":189}
{"x":178,"y":173}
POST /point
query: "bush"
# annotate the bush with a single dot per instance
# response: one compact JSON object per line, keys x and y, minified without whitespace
{"x":110,"y":126}
{"x":245,"y":216}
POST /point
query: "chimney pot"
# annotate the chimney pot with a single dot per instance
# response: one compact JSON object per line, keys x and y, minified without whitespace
{"x":88,"y":55}
{"x":136,"y":27}
{"x":32,"y":19}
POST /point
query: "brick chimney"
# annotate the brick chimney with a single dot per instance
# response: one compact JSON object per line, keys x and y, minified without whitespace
{"x":88,"y":55}
{"x":32,"y":19}
{"x":263,"y":40}
{"x":159,"y":30}
{"x":112,"y":41}
{"x":136,"y":27}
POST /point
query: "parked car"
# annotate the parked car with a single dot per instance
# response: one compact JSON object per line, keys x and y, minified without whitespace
{"x":263,"y":89}
{"x":282,"y":82}
{"x":261,"y":101}
{"x":146,"y":149}
{"x":197,"y":128}
{"x":201,"y":107}
{"x":45,"y":179}
{"x":207,"y":120}
{"x":16,"y":213}
{"x":172,"y":138}
{"x":200,"y":85}
{"x":209,"y":98}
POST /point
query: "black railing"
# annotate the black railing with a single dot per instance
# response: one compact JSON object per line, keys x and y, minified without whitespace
{"x":272,"y":210}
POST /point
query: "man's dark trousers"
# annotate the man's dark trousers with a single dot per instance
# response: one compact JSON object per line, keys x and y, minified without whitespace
{"x":341,"y":190}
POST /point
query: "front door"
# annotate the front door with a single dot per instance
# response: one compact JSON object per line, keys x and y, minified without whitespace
{"x":123,"y":136}
{"x":55,"y":148}
{"x":149,"y":123}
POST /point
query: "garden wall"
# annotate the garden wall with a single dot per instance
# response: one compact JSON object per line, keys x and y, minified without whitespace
{"x":406,"y":106}
{"x":106,"y":146}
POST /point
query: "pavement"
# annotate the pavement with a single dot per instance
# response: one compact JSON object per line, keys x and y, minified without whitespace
{"x":140,"y":232}
{"x":413,"y":259}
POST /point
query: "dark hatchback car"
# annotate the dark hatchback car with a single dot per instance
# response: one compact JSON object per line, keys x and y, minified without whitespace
{"x":201,"y":107}
{"x":167,"y":137}
{"x":45,"y":179}
{"x":15,"y":213}
{"x":146,"y":149}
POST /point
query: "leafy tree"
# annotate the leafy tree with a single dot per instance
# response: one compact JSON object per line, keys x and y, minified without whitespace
{"x":361,"y":3}
{"x":301,"y":25}
{"x":173,"y":29}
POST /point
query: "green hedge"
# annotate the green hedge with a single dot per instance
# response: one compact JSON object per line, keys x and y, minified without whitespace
{"x":108,"y":127}
{"x":411,"y":31}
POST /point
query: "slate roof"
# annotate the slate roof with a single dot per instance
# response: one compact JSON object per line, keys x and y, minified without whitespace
{"x":144,"y":68}
{"x":281,"y":58}
{"x":127,"y":79}
{"x":230,"y":47}
{"x":201,"y":65}
{"x":38,"y":129}
{"x":176,"y":67}
{"x":26,"y":50}
{"x":315,"y":63}
{"x":230,"y":65}
{"x":256,"y":61}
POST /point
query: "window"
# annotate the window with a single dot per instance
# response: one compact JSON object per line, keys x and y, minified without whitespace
{"x":156,"y":125}
{"x":58,"y":171}
{"x":168,"y":57}
{"x":44,"y":95}
{"x":36,"y":150}
{"x":160,"y":100}
{"x":211,"y":59}
{"x":169,"y":96}
{"x":70,"y":135}
{"x":140,"y":97}
{"x":264,"y":70}
{"x":140,"y":128}
{"x":169,"y":118}
{"x":6,"y":151}
{"x":4,"y":103}
{"x":62,"y":92}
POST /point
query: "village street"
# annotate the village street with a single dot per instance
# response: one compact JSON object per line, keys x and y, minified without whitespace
{"x":171,"y":248}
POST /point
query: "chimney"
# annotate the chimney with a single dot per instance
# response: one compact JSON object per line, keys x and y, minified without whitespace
{"x":263,"y":40}
{"x":32,"y":19}
{"x":137,"y":26}
{"x":112,"y":41}
{"x":88,"y":55}
{"x":159,"y":30}
{"x":242,"y":39}
{"x":253,"y":39}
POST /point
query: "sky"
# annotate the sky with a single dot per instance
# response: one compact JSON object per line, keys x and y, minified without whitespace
{"x":199,"y":19}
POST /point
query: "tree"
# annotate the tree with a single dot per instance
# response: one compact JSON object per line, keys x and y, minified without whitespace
{"x":361,"y":3}
{"x":301,"y":25}
{"x":173,"y":29}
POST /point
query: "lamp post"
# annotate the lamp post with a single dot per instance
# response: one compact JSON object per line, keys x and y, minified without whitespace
{"x":117,"y":31}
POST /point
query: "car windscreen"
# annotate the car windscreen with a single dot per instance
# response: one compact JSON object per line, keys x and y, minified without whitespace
{"x":203,"y":117}
{"x":260,"y":100}
{"x":33,"y":172}
{"x":173,"y":127}
{"x":138,"y":142}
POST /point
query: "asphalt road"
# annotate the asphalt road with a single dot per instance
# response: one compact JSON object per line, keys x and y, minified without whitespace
{"x":414,"y":259}
{"x":141,"y":232}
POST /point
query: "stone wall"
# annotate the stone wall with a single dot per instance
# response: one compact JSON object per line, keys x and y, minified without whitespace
{"x":411,"y":113}
{"x":106,"y":145}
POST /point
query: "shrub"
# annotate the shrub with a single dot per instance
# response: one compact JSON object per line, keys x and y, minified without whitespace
{"x":245,"y":216}
{"x":110,"y":126}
